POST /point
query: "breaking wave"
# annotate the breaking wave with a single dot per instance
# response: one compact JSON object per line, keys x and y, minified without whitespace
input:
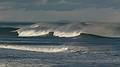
{"x":46,"y":49}
{"x":66,"y":34}
{"x":71,"y":29}
{"x":32,"y":33}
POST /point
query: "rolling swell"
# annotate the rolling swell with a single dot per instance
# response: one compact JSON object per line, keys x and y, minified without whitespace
{"x":35,"y":48}
{"x":46,"y":49}
{"x":71,"y":29}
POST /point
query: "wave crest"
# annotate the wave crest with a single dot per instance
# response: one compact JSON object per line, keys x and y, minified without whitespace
{"x":32,"y":33}
{"x":71,"y":29}
{"x":66,"y":34}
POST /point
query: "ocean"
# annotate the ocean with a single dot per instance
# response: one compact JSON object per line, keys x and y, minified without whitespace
{"x":59,"y":44}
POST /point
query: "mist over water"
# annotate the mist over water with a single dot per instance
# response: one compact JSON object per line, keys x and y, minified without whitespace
{"x":71,"y":29}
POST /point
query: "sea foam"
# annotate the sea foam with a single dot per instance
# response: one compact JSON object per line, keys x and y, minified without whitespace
{"x":48,"y":49}
{"x":71,"y":29}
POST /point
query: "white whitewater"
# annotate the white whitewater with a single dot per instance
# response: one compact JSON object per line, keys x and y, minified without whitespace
{"x":47,"y":49}
{"x":36,"y":48}
{"x":32,"y":33}
{"x":71,"y":29}
{"x":66,"y":34}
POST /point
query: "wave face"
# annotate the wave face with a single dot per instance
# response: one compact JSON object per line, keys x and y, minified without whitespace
{"x":71,"y":29}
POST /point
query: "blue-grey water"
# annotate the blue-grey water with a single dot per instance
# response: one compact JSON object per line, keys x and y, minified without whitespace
{"x":25,"y":49}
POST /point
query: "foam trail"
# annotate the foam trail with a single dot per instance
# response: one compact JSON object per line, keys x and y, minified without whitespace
{"x":48,"y":49}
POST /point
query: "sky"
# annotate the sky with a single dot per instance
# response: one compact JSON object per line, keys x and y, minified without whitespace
{"x":54,"y":10}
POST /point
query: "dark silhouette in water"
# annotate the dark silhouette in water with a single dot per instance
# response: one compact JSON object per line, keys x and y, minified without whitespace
{"x":50,"y":34}
{"x":8,"y":31}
